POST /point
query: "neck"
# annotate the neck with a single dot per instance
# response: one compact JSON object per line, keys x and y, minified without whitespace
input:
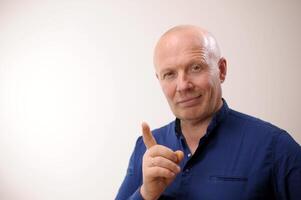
{"x":194,"y":130}
{"x":203,"y":123}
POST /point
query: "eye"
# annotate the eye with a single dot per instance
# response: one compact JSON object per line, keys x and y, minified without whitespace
{"x":196,"y":68}
{"x":168,"y":75}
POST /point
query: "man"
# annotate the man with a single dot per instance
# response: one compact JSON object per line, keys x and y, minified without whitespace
{"x":209,"y":151}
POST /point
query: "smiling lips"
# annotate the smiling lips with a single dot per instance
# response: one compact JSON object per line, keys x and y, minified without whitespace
{"x":188,"y":102}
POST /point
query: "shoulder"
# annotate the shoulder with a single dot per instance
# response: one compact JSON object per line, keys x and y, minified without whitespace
{"x":253,"y":124}
{"x":263,"y":132}
{"x":287,"y":148}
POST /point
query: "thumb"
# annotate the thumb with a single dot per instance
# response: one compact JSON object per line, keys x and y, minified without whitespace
{"x":180,"y":155}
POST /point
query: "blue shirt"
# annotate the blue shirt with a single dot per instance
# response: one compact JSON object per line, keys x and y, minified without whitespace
{"x":239,"y":157}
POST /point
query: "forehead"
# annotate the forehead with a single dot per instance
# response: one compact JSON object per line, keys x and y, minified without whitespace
{"x":179,"y":50}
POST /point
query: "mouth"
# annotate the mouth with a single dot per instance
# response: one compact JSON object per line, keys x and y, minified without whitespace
{"x":188,"y":102}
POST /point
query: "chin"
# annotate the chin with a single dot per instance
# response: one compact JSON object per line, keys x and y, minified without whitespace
{"x":189,"y":115}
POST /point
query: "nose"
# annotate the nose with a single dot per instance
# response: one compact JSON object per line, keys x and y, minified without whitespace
{"x":183,"y":82}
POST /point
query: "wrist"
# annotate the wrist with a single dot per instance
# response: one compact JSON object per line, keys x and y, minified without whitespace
{"x":145,"y":195}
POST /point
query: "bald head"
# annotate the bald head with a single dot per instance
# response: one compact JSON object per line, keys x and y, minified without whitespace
{"x":190,"y":70}
{"x":186,"y":36}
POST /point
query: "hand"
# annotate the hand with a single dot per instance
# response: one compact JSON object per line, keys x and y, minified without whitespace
{"x":160,"y":166}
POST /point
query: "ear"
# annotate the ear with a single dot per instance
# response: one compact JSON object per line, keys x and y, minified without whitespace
{"x":222,"y":66}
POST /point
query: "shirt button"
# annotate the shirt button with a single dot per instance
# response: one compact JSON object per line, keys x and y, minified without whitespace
{"x":189,"y":155}
{"x":186,"y":172}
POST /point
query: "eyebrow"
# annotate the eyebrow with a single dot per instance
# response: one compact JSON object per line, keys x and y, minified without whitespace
{"x":197,"y":59}
{"x":165,"y":70}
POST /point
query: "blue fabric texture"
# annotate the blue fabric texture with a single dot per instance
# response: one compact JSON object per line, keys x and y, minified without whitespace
{"x":240,"y":157}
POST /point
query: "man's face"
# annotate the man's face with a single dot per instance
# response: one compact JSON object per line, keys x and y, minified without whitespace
{"x":190,"y":77}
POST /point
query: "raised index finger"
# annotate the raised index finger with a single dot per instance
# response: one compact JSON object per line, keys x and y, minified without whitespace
{"x":148,"y":137}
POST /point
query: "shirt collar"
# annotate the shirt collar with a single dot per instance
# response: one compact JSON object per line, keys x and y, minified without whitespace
{"x":217,"y":118}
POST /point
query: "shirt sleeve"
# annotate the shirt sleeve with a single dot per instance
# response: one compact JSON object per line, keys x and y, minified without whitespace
{"x":287,"y":168}
{"x":130,"y":187}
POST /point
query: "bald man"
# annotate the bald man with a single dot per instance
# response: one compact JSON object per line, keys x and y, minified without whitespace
{"x":209,"y":151}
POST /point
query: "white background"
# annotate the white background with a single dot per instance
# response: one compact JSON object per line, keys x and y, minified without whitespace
{"x":77,"y":80}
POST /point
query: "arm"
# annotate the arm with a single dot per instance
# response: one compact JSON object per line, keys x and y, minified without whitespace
{"x":287,"y":168}
{"x":130,"y":187}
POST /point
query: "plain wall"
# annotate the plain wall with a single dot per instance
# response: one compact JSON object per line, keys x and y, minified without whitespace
{"x":77,"y":80}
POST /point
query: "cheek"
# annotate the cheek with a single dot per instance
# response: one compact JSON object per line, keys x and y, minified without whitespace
{"x":209,"y":82}
{"x":204,"y":83}
{"x":168,"y":90}
{"x":215,"y":89}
